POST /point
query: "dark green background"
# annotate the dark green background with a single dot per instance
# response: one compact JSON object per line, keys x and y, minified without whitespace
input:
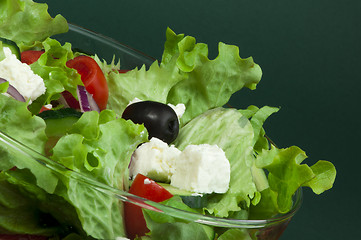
{"x":309,"y":51}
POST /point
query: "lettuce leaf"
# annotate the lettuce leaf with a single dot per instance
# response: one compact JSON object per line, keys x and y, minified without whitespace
{"x":19,"y":213}
{"x":165,"y":227}
{"x":51,"y":67}
{"x":232,"y":132}
{"x":99,"y":146}
{"x":235,"y":234}
{"x":38,"y":212}
{"x":257,"y":118}
{"x":17,"y":122}
{"x":287,"y":174}
{"x":185,"y":75}
{"x":26,"y":22}
{"x":209,"y":83}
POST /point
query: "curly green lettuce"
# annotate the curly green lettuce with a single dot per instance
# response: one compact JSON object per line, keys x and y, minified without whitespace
{"x":186,"y":75}
{"x":26,"y":22}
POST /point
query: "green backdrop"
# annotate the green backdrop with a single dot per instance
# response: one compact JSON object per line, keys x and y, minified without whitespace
{"x":309,"y":51}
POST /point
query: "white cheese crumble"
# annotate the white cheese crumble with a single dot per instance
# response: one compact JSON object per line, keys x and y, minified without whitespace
{"x":147,"y":181}
{"x":179,"y":109}
{"x":21,"y":77}
{"x":135,"y":100}
{"x":154,"y":159}
{"x":198,"y":168}
{"x":202,"y":168}
{"x":121,"y":238}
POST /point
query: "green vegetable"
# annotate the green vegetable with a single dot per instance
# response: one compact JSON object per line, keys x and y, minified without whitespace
{"x":99,"y":146}
{"x":235,"y":234}
{"x":58,"y":123}
{"x":191,"y":199}
{"x":51,"y":67}
{"x":176,"y":229}
{"x":19,"y":213}
{"x":27,"y":23}
{"x":183,"y":75}
{"x":20,"y":124}
{"x":196,"y":201}
{"x":60,"y":114}
{"x":287,"y":174}
{"x":12,"y":46}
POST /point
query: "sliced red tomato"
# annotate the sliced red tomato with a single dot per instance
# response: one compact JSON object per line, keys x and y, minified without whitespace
{"x":92,"y":77}
{"x":43,"y":108}
{"x":30,"y":56}
{"x":146,"y":188}
{"x":21,"y":237}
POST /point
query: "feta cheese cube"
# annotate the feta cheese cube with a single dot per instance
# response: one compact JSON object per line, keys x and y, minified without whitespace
{"x":21,"y":77}
{"x":179,"y":109}
{"x":202,"y":168}
{"x":154,"y":159}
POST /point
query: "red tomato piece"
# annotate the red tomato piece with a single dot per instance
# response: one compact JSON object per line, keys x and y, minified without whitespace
{"x":30,"y":56}
{"x":92,"y":77}
{"x":146,"y":188}
{"x":43,"y":108}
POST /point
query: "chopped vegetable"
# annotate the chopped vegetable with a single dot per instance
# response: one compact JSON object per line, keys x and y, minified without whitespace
{"x":92,"y":77}
{"x":146,"y":188}
{"x":30,"y":56}
{"x":12,"y":91}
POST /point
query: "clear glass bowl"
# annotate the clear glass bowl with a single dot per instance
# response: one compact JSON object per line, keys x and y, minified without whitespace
{"x":88,"y":41}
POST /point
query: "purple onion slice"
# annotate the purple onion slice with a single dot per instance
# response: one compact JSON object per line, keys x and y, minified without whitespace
{"x":86,"y":100}
{"x":13,"y":92}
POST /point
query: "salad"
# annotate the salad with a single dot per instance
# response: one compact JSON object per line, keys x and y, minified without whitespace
{"x":161,"y":132}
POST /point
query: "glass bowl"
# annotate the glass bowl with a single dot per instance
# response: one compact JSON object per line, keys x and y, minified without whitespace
{"x":90,"y":42}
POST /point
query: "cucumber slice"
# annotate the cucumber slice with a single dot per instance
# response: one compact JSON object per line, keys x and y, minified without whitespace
{"x":12,"y":45}
{"x":193,"y":200}
{"x":174,"y":190}
{"x":58,"y":123}
{"x":60,"y":113}
{"x":196,"y":201}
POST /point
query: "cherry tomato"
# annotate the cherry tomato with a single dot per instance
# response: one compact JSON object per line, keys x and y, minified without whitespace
{"x":92,"y":77}
{"x":145,"y":188}
{"x":21,"y":237}
{"x":30,"y":56}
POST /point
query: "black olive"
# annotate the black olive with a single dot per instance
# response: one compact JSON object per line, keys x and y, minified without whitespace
{"x":159,"y":119}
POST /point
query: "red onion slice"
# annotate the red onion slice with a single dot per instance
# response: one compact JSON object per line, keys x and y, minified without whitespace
{"x":63,"y":101}
{"x":13,"y":92}
{"x":86,"y":100}
{"x":68,"y":100}
{"x":93,"y":105}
